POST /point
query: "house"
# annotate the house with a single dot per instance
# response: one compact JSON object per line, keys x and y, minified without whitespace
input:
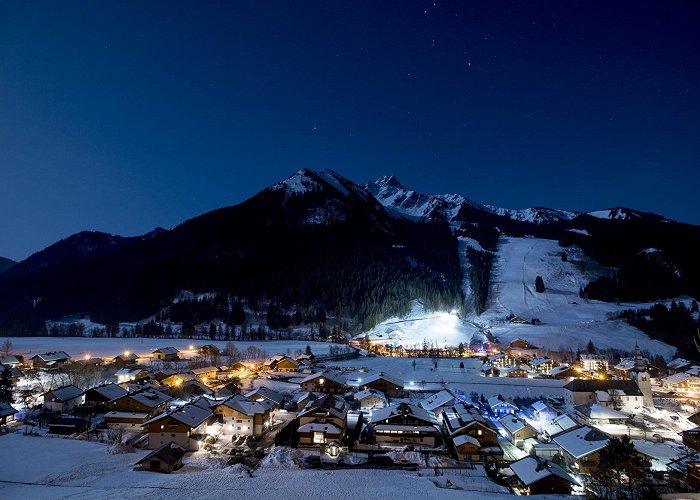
{"x":148,"y":400}
{"x":542,"y":411}
{"x":127,"y":374}
{"x":12,"y":360}
{"x":559,"y":424}
{"x":301,"y":399}
{"x":242,"y":416}
{"x":593,"y":363}
{"x":167,"y":458}
{"x":262,"y":393}
{"x":164,"y":373}
{"x":194,"y":387}
{"x":166,"y":354}
{"x":500,"y":406}
{"x":501,"y":360}
{"x":98,"y":397}
{"x":287,"y":365}
{"x":67,"y":425}
{"x":125,"y":358}
{"x":206,"y":374}
{"x":581,"y":447}
{"x":185,"y":426}
{"x":542,"y":364}
{"x":519,"y":371}
{"x":439,"y":401}
{"x":91,"y":361}
{"x":49,"y":360}
{"x":64,"y":399}
{"x":522,"y":348}
{"x":596,"y":414}
{"x":404,"y":424}
{"x":126,"y":420}
{"x":622,"y":395}
{"x":517,"y":430}
{"x":679,"y":365}
{"x":464,"y":419}
{"x":322,"y":421}
{"x":177,"y":379}
{"x":391,"y":386}
{"x":682,"y":382}
{"x":562,"y":371}
{"x":370,"y":399}
{"x":536,"y":476}
{"x":327,"y":382}
{"x":208,"y":350}
{"x":7,"y":413}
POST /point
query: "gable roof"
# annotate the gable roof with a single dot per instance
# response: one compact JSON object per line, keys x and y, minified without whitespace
{"x":330,"y":403}
{"x":330,"y":375}
{"x":500,"y":401}
{"x":539,"y":406}
{"x":52,"y":356}
{"x":9,"y":360}
{"x":109,"y":391}
{"x":66,"y":393}
{"x":373,"y":377}
{"x":370,"y":392}
{"x":166,"y":350}
{"x":247,"y":406}
{"x":629,"y":387}
{"x":465,"y":438}
{"x":191,"y":415}
{"x":513,"y":424}
{"x":463,"y":415}
{"x":149,"y":397}
{"x":125,"y":357}
{"x":559,"y":424}
{"x":6,"y":410}
{"x":442,"y":398}
{"x":531,"y":469}
{"x":596,"y":412}
{"x":581,"y":441}
{"x":169,"y":453}
{"x":404,"y":409}
{"x":265,"y":393}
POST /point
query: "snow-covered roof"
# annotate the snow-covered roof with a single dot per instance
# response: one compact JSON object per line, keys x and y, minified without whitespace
{"x":465,"y":438}
{"x":679,"y":378}
{"x":581,"y":441}
{"x":539,"y":406}
{"x":513,"y":424}
{"x":462,"y":415}
{"x":373,"y":377}
{"x":6,"y":410}
{"x":330,"y":403}
{"x":110,"y":391}
{"x":539,"y":361}
{"x":599,"y":412}
{"x":369,"y":392}
{"x":190,"y":415}
{"x":265,"y":393}
{"x":128,"y":372}
{"x":66,"y":393}
{"x":319,"y":427}
{"x":678,"y":363}
{"x":248,"y":406}
{"x":495,"y":401}
{"x":297,"y":397}
{"x":9,"y":360}
{"x":559,"y":424}
{"x":149,"y":397}
{"x":531,"y":469}
{"x":202,"y":371}
{"x":693,"y":370}
{"x":52,"y":356}
{"x":126,"y":414}
{"x":629,"y":387}
{"x":442,"y":398}
{"x":404,"y":409}
{"x":166,"y":350}
{"x":330,"y":375}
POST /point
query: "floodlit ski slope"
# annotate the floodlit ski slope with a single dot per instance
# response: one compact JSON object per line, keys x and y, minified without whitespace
{"x":567,"y":320}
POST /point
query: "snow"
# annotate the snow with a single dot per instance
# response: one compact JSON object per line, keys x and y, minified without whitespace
{"x":536,"y":215}
{"x":568,"y":321}
{"x":579,"y":231}
{"x":65,"y":468}
{"x":297,"y":183}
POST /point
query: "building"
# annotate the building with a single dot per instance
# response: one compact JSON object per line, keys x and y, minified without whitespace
{"x":464,"y":420}
{"x":281,"y":363}
{"x":405,"y":424}
{"x":500,"y":406}
{"x":370,"y":399}
{"x":67,"y":425}
{"x":126,"y":420}
{"x":593,"y":363}
{"x":391,"y":386}
{"x":691,"y":438}
{"x":128,"y":374}
{"x":522,"y":348}
{"x":536,"y":476}
{"x":327,"y":382}
{"x":166,"y":354}
{"x":596,"y":414}
{"x":322,"y":421}
{"x":543,"y":412}
{"x":641,"y":377}
{"x":557,"y":425}
{"x":519,"y":371}
{"x":15,"y":372}
{"x":12,"y":360}
{"x":49,"y":360}
{"x":581,"y":447}
{"x":125,"y":358}
{"x":98,"y":397}
{"x":149,"y":401}
{"x":679,"y":365}
{"x":262,"y":393}
{"x":7,"y":413}
{"x":185,"y":426}
{"x":167,"y":458}
{"x":543,"y":365}
{"x":439,"y":401}
{"x":208,"y":350}
{"x":517,"y":430}
{"x":64,"y":399}
{"x":623,"y":395}
{"x":242,"y":416}
{"x":301,"y":399}
{"x":682,"y":382}
{"x":501,"y":360}
{"x":206,"y":374}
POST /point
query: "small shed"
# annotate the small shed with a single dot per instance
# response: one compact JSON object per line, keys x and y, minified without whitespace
{"x":67,"y":425}
{"x":167,"y":458}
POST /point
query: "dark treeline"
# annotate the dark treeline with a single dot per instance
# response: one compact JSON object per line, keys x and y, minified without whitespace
{"x":676,"y":325}
{"x":480,"y":271}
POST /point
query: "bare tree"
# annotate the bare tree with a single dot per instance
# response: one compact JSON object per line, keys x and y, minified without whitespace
{"x":6,"y":348}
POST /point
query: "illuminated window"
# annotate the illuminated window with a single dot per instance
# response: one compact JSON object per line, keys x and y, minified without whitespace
{"x":319,"y":438}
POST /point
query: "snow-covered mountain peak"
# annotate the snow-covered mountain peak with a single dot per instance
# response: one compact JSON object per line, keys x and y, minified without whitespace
{"x":299,"y":182}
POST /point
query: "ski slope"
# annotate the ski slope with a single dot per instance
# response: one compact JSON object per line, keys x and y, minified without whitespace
{"x":567,"y":320}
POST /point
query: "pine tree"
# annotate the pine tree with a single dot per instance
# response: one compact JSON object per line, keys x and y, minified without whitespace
{"x":308,"y":350}
{"x":6,"y":386}
{"x":539,"y":284}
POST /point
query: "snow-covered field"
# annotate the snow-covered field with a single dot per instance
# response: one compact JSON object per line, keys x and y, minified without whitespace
{"x":567,"y":319}
{"x":78,"y":347}
{"x":62,"y":468}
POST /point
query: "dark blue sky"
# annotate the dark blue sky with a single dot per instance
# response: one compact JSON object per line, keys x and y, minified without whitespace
{"x":122,"y":116}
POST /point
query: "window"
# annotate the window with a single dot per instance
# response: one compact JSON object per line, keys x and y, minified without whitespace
{"x":319,"y":438}
{"x":172,"y":435}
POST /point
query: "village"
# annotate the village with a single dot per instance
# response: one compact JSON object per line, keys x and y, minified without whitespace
{"x":520,"y":422}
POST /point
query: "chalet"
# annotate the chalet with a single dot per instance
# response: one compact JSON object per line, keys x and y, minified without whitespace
{"x":163,"y":373}
{"x":150,"y":401}
{"x":167,"y":458}
{"x":517,"y":430}
{"x":67,"y":425}
{"x":127,"y":420}
{"x":466,"y":420}
{"x":490,"y":371}
{"x":166,"y":354}
{"x":559,"y":424}
{"x":543,"y":364}
{"x":518,"y":320}
{"x":287,"y":365}
{"x":370,"y":399}
{"x":98,"y":397}
{"x":438,"y":401}
{"x":683,"y":382}
{"x":691,"y":438}
{"x":404,"y":424}
{"x":500,"y":406}
{"x":679,"y":365}
{"x":387,"y":384}
{"x":64,"y":399}
{"x":49,"y":360}
{"x":185,"y":426}
{"x":542,"y":411}
{"x":208,"y":350}
{"x":91,"y":361}
{"x":7,"y":413}
{"x":178,"y":379}
{"x":12,"y":360}
{"x":264,"y":394}
{"x":502,"y":360}
{"x":581,"y":447}
{"x":242,"y":416}
{"x":322,"y":421}
{"x":301,"y":399}
{"x":128,"y":374}
{"x":536,"y":476}
{"x":593,"y":363}
{"x":326,"y":382}
{"x":519,"y":371}
{"x":522,"y":348}
{"x":125,"y":358}
{"x":622,"y":395}
{"x":595,"y":414}
{"x":562,"y":372}
{"x":206,"y":374}
{"x":194,"y":387}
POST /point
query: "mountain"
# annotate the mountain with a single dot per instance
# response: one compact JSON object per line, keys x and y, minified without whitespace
{"x":5,"y":264}
{"x":317,"y":245}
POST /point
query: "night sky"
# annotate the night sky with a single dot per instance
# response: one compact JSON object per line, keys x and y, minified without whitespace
{"x":123,"y":116}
